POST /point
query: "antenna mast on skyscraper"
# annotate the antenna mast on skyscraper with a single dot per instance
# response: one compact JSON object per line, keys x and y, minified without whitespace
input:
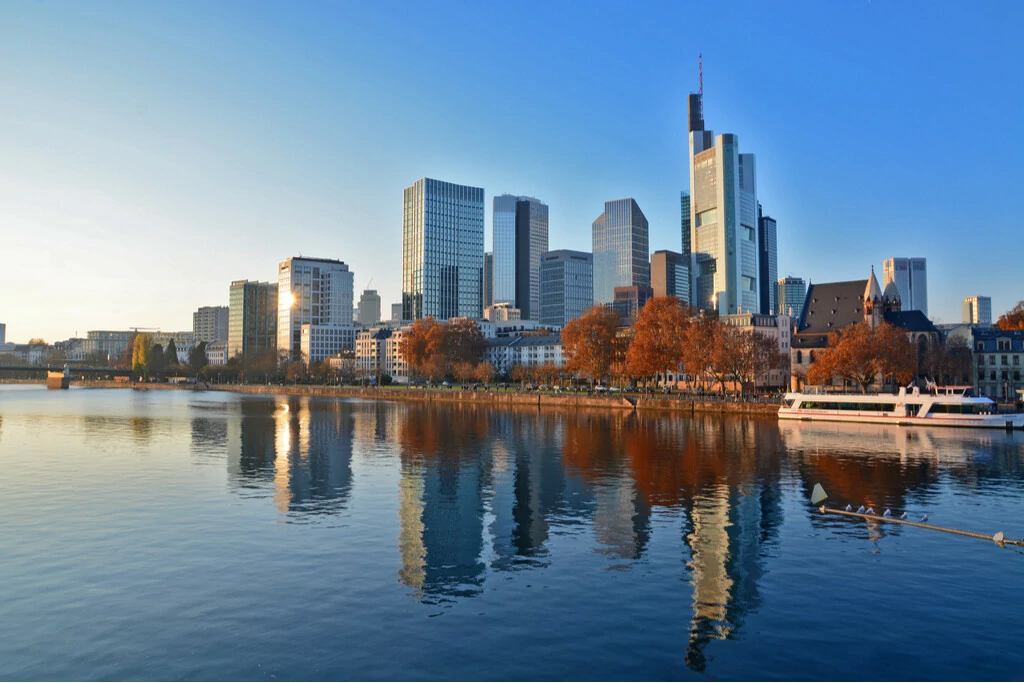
{"x":700,"y":71}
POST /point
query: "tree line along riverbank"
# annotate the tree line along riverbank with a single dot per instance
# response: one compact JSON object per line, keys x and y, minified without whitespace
{"x":664,"y":403}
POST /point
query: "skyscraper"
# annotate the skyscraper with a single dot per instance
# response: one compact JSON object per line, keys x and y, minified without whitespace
{"x":911,"y":278}
{"x":791,"y":292}
{"x":369,"y":308}
{"x":621,"y":249}
{"x":670,"y":275}
{"x":977,"y":310}
{"x":520,"y":237}
{"x":488,"y":278}
{"x":767,"y":261}
{"x":252,"y":318}
{"x":684,"y":215}
{"x":315,"y":292}
{"x":566,"y":286}
{"x":442,"y":250}
{"x":723,"y":211}
{"x":210,"y":323}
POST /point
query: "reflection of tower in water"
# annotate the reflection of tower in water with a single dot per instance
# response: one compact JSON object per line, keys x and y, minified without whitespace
{"x":300,"y":447}
{"x":441,"y":502}
{"x":731,"y":518}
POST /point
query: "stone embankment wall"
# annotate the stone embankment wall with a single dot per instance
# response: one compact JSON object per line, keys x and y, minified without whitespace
{"x":496,"y":398}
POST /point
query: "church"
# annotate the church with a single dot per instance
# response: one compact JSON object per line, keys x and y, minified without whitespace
{"x":832,"y":306}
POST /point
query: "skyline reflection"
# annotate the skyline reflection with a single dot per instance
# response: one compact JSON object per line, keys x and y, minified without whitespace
{"x":480,"y":492}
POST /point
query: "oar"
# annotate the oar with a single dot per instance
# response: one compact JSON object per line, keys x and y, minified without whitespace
{"x":818,"y":495}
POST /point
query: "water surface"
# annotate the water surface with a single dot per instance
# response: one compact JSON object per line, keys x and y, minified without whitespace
{"x":202,"y":535}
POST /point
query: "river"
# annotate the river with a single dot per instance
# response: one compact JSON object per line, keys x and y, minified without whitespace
{"x":208,"y":535}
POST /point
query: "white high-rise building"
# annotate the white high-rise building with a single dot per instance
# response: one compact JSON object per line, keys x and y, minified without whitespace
{"x":724,"y":268}
{"x":977,"y":310}
{"x":911,"y":278}
{"x":318,"y":293}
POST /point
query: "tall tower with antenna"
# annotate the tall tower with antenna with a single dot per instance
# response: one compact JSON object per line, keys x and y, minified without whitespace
{"x":723,"y":221}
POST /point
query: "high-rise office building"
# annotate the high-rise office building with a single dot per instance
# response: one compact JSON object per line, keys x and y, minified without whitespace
{"x":369,"y":308}
{"x":629,"y":301}
{"x":670,"y":275}
{"x":396,"y":312}
{"x":520,"y":236}
{"x":488,"y":288}
{"x":3,"y":333}
{"x":767,"y":261}
{"x":977,"y":310}
{"x":790,"y":294}
{"x":684,"y":216}
{"x":210,"y":323}
{"x":252,"y":318}
{"x":621,"y":249}
{"x":442,"y":250}
{"x":315,"y":292}
{"x":911,"y":278}
{"x":723,"y":216}
{"x":566,"y":286}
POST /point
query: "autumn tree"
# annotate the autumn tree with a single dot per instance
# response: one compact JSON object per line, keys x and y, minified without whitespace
{"x":589,"y":343}
{"x":484,"y":373}
{"x":423,"y":346}
{"x":140,"y":354}
{"x":658,"y":337}
{"x":755,"y":355}
{"x":464,"y":371}
{"x":127,"y":359}
{"x":463,"y":341}
{"x":859,"y":354}
{"x":698,"y":345}
{"x":1013,"y":319}
{"x":897,"y":357}
{"x":726,"y":353}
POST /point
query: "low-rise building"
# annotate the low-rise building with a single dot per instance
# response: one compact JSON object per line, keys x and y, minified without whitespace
{"x":217,"y":352}
{"x":504,"y":353}
{"x":998,"y":361}
{"x":320,"y":341}
{"x":502,"y":311}
{"x":777,"y":328}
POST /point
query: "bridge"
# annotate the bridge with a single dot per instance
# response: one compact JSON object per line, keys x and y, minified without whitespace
{"x":73,"y":369}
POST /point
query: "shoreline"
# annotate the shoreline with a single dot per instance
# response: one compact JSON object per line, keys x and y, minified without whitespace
{"x":501,"y":399}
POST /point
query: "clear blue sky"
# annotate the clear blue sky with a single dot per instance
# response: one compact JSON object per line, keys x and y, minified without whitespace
{"x":152,"y":152}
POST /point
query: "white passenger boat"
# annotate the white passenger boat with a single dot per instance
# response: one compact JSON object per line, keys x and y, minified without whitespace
{"x":939,"y":407}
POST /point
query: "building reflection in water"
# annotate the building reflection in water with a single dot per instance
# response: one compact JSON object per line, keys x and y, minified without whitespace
{"x":483,"y":491}
{"x":300,"y":448}
{"x":441,"y":501}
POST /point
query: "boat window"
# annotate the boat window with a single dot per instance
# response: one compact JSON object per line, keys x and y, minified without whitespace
{"x":859,"y":407}
{"x":960,"y":409}
{"x":913,"y":409}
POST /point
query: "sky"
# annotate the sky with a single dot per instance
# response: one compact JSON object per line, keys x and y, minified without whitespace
{"x":150,"y":153}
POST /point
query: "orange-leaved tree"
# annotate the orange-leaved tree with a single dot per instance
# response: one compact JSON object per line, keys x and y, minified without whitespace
{"x":698,"y":345}
{"x":859,"y":354}
{"x":590,"y":344}
{"x":423,"y":348}
{"x":1013,"y":319}
{"x":658,"y":336}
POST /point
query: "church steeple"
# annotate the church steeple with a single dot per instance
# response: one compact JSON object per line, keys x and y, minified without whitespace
{"x":891,"y":298}
{"x":873,"y":301}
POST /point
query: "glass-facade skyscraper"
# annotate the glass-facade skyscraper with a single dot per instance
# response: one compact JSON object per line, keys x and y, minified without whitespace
{"x":767,"y":262}
{"x":520,"y":237}
{"x":670,"y":275}
{"x":488,"y":278}
{"x":621,"y":249}
{"x":791,"y":292}
{"x":442,"y":250}
{"x":977,"y":310}
{"x":723,"y":216}
{"x":566,"y":286}
{"x":911,"y":278}
{"x":252,"y":318}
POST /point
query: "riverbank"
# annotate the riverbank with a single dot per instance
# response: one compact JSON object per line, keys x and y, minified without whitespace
{"x":497,"y":398}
